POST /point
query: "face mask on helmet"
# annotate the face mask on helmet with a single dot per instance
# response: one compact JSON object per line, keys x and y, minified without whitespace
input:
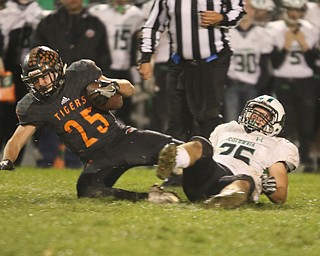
{"x":264,"y":114}
{"x":43,"y":72}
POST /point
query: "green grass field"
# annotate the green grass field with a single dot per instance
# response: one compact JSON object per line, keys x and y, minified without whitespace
{"x":41,"y":215}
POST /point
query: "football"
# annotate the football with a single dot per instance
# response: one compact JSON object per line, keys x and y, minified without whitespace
{"x":101,"y":102}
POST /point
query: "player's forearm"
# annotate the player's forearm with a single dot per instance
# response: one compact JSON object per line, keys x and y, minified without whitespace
{"x":126,"y":88}
{"x":279,"y":196}
{"x":11,"y":150}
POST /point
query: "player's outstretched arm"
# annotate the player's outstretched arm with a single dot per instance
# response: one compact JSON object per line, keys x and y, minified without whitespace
{"x":15,"y":144}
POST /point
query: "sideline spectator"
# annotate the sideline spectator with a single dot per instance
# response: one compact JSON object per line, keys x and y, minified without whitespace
{"x":18,"y":21}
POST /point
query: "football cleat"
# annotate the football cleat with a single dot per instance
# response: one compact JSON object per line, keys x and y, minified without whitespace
{"x":167,"y":161}
{"x":159,"y":196}
{"x":227,"y":199}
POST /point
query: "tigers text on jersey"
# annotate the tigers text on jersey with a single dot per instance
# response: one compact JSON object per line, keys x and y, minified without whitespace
{"x":247,"y":49}
{"x":189,"y":40}
{"x":69,"y":114}
{"x":120,"y":29}
{"x":294,"y":64}
{"x":250,"y":153}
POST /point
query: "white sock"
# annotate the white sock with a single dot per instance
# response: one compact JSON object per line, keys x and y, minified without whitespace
{"x":182,"y":158}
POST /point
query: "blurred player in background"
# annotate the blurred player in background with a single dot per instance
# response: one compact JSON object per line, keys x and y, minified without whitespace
{"x":123,"y":22}
{"x":313,"y":15}
{"x":248,"y":73}
{"x":18,"y":20}
{"x":264,"y":10}
{"x":293,"y":61}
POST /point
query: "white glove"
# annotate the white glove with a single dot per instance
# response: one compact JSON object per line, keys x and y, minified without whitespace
{"x":108,"y":88}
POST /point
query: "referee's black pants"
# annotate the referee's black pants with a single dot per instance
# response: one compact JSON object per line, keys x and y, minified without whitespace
{"x":195,"y":91}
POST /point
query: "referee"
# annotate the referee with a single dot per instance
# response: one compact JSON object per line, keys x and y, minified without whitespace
{"x":200,"y":58}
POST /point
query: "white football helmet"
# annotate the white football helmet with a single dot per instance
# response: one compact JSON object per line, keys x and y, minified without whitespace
{"x":267,"y":5}
{"x":273,"y":124}
{"x":295,"y":4}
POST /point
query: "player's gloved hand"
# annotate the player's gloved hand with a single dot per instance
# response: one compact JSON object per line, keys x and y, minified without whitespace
{"x":108,"y":88}
{"x":6,"y":164}
{"x":269,"y":184}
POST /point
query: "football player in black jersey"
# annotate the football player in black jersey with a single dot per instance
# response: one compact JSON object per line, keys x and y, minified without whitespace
{"x":58,"y":99}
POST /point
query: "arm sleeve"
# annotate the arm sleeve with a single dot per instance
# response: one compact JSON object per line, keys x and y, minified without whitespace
{"x":263,"y":83}
{"x":151,"y":30}
{"x":232,"y":11}
{"x":277,"y":57}
{"x":311,"y":56}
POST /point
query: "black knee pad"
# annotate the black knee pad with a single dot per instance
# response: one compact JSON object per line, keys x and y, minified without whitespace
{"x":90,"y":184}
{"x":207,"y":149}
{"x":229,"y":179}
{"x":88,"y":187}
{"x":84,"y":184}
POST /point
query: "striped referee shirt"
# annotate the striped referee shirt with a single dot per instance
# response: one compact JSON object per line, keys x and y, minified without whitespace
{"x":188,"y":39}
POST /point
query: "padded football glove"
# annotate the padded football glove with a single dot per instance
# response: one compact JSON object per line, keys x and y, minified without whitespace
{"x":6,"y":164}
{"x":269,"y":184}
{"x":108,"y":88}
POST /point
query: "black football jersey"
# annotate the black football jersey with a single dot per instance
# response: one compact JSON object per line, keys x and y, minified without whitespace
{"x":82,"y":127}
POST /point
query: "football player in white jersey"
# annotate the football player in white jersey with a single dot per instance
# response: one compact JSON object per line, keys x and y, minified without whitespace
{"x":123,"y":22}
{"x":312,"y":14}
{"x":293,"y":60}
{"x":263,"y":11}
{"x":248,"y":73}
{"x":242,"y":159}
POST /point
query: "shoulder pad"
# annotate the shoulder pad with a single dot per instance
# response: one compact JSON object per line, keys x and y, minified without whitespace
{"x":23,"y":106}
{"x":83,"y":64}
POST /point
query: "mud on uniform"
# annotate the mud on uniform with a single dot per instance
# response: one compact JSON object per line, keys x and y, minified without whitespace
{"x":107,"y":147}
